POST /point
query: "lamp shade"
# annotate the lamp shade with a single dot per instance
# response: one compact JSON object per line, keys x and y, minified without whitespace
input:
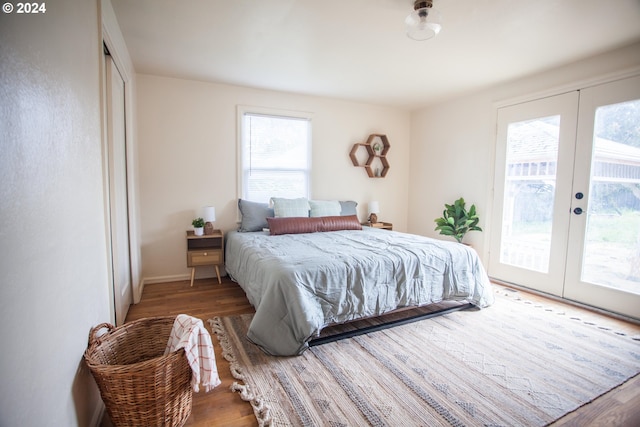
{"x":209,"y":213}
{"x":374,"y":208}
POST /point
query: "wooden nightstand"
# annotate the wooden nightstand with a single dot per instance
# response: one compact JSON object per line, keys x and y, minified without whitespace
{"x":205,"y":250}
{"x":383,"y":225}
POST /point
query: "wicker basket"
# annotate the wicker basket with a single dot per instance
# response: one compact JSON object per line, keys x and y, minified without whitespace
{"x":138,"y":384}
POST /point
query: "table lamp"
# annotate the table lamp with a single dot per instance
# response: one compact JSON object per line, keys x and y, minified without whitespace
{"x":209,"y":215}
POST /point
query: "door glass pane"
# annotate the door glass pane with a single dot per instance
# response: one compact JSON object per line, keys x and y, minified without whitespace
{"x":612,"y":242}
{"x":530,"y":181}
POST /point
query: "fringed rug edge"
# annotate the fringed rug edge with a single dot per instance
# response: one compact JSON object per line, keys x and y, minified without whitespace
{"x":261,"y":410}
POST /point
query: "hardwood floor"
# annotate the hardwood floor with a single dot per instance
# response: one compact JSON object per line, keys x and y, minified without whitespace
{"x":222,"y":407}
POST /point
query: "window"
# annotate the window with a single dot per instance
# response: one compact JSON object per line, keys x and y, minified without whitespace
{"x":274,"y":153}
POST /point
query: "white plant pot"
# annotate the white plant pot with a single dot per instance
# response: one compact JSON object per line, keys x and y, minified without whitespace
{"x":198,"y":231}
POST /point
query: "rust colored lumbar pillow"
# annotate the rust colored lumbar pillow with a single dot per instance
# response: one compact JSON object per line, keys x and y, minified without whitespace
{"x":337,"y":223}
{"x":298,"y":225}
{"x":294,"y":225}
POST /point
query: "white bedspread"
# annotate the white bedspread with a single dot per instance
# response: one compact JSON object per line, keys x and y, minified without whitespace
{"x":299,"y":283}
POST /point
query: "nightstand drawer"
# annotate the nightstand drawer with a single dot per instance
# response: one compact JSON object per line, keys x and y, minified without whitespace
{"x":204,"y":257}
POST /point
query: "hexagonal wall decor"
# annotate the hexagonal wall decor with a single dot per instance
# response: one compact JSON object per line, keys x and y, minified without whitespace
{"x":360,"y":151}
{"x":376,"y":147}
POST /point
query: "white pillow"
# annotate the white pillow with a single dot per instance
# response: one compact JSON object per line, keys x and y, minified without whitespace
{"x":290,"y":207}
{"x":325,"y":208}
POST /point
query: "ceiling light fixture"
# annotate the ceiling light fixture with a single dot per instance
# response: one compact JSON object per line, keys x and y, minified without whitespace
{"x":424,"y":22}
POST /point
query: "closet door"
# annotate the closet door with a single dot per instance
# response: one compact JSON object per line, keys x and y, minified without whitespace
{"x":603,"y":257}
{"x":118,"y":205}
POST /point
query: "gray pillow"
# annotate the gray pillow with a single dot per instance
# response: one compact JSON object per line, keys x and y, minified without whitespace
{"x":254,"y":215}
{"x":348,"y":208}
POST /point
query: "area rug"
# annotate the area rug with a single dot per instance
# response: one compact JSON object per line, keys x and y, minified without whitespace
{"x":515,"y":363}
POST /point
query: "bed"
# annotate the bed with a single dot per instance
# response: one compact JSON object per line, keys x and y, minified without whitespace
{"x":300,"y":282}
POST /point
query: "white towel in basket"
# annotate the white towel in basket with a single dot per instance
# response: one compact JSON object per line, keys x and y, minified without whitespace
{"x":189,"y":333}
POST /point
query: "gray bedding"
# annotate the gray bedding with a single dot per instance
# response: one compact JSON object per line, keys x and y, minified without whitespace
{"x":300,"y":283}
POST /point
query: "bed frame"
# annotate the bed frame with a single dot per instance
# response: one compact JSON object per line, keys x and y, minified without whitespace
{"x":385,"y":325}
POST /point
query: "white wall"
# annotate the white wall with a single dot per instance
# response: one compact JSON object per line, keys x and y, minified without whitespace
{"x":187,"y":148}
{"x":52,"y":231}
{"x":452,"y":143}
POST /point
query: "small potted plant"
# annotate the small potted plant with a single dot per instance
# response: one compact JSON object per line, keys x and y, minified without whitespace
{"x":377,"y":148}
{"x":198,"y":226}
{"x":456,"y":221}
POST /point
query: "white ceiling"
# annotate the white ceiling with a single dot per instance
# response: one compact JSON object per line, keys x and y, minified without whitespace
{"x":358,"y":50}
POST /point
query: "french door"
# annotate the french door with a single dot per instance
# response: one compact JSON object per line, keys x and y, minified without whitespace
{"x":567,"y":196}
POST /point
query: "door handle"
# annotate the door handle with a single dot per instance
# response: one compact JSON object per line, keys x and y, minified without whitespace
{"x":577,"y":211}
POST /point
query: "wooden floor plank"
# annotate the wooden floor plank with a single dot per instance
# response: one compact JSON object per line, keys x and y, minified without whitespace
{"x":222,"y":407}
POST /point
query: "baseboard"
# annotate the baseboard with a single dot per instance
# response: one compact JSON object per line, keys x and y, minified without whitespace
{"x":176,"y":278}
{"x":165,"y":279}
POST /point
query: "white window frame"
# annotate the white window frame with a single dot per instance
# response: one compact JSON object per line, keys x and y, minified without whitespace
{"x":243,"y":110}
